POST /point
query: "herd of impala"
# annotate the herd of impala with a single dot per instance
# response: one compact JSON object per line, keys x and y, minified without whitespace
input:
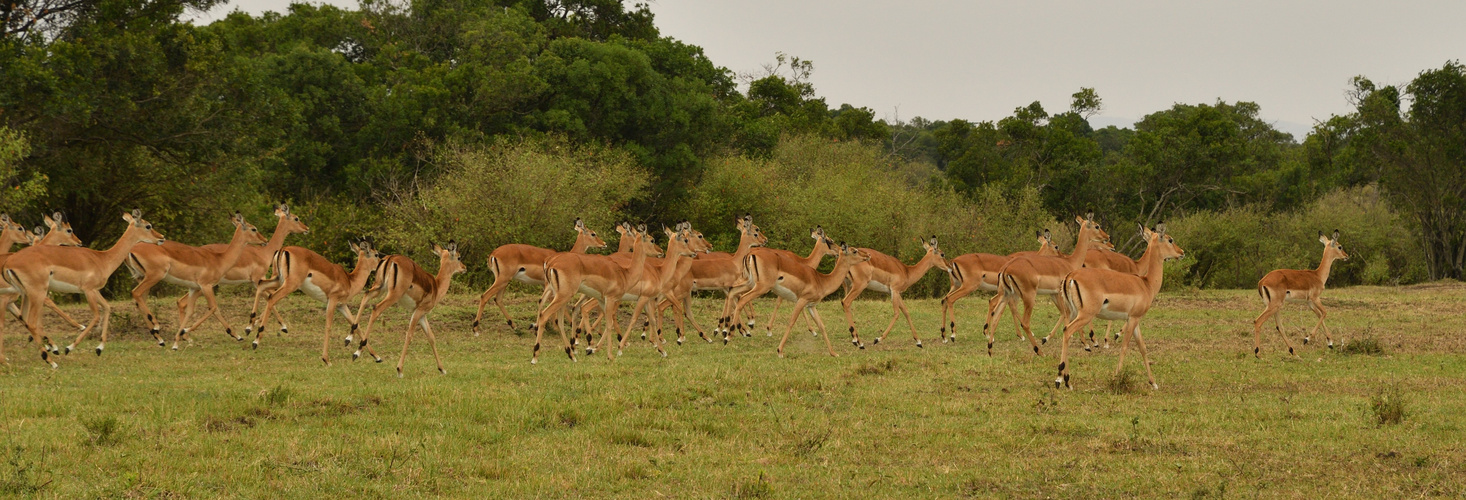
{"x":1092,"y":282}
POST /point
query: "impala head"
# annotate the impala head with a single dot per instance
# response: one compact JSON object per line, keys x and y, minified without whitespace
{"x":1162,"y":242}
{"x":680,"y":241}
{"x":1092,"y":228}
{"x":1105,"y":245}
{"x":11,"y":231}
{"x":289,"y":221}
{"x":366,"y":256}
{"x":1046,"y":245}
{"x":448,"y":258}
{"x":935,"y":252}
{"x":588,"y":236}
{"x":820,"y":238}
{"x":696,"y":241}
{"x":744,"y":223}
{"x":60,"y":231}
{"x":140,"y":229}
{"x":251,"y":233}
{"x":1331,"y":246}
{"x":850,"y":255}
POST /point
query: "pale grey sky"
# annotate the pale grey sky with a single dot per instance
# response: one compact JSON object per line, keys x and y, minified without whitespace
{"x":980,"y":59}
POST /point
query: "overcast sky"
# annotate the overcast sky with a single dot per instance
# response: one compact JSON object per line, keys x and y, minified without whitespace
{"x":979,"y":60}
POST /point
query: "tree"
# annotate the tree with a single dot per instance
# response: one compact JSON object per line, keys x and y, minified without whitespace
{"x":1421,"y":157}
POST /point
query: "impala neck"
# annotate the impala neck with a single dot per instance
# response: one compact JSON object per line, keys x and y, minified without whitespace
{"x":582,"y":243}
{"x":816,"y":254}
{"x":638,"y":260}
{"x":358,"y":277}
{"x":6,"y":242}
{"x":277,"y":240}
{"x":445,"y":277}
{"x":236,"y":247}
{"x":745,"y":245}
{"x":826,"y":284}
{"x":1154,"y":267}
{"x":915,"y":272}
{"x":1324,"y":266}
{"x":1081,"y":249}
{"x":672,"y":266}
{"x":113,"y":257}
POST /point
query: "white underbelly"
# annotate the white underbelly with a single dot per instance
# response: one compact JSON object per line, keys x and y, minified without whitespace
{"x":313,"y":291}
{"x":233,"y":282}
{"x":524,"y":278}
{"x":181,"y":282}
{"x":986,"y":287}
{"x":590,"y":291}
{"x":1107,"y":314}
{"x":877,"y":286}
{"x":785,"y":293}
{"x":1046,"y":291}
{"x":1295,"y":297}
{"x":63,"y":287}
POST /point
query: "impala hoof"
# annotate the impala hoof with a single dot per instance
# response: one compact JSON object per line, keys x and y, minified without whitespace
{"x":99,"y":350}
{"x":70,"y":348}
{"x":679,"y":341}
{"x":247,"y":330}
{"x":175,"y":346}
{"x":162,"y":344}
{"x":284,"y":330}
{"x":254,"y":345}
{"x":1331,"y":344}
{"x":1044,"y":341}
{"x":326,"y":361}
{"x":355,"y":355}
{"x":442,"y":371}
{"x":374,"y":358}
{"x":918,"y":344}
{"x":877,"y":341}
{"x":348,"y":341}
{"x":589,"y":351}
{"x":399,"y":372}
{"x":1154,"y":386}
{"x":534,"y":361}
{"x":1305,"y":340}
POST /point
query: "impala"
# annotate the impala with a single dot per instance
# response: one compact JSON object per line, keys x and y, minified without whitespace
{"x":1027,"y":277}
{"x":60,"y":234}
{"x":656,"y":282}
{"x":979,"y":271}
{"x":801,"y":284}
{"x":714,"y":271}
{"x":399,"y":280}
{"x":1105,"y":257}
{"x":733,"y":308}
{"x":301,"y":269}
{"x":1296,"y":285}
{"x":1101,"y":293}
{"x":598,"y":276}
{"x":34,"y":271}
{"x":525,"y":263}
{"x":886,"y":274}
{"x":197,"y":269}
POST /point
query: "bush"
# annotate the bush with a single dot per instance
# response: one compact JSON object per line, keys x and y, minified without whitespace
{"x":1236,"y":247}
{"x":862,"y":197}
{"x":1387,"y":406}
{"x":521,"y":191}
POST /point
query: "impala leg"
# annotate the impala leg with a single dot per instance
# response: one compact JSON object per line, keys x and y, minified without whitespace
{"x":622,"y":340}
{"x":407,"y":340}
{"x":185,"y":310}
{"x":32,"y":319}
{"x":366,"y":333}
{"x":949,"y":312}
{"x":1278,"y":323}
{"x":542,"y":322}
{"x":273,"y":301}
{"x":848,"y":303}
{"x":895,"y":315}
{"x":106,"y":319}
{"x":995,"y":307}
{"x":1317,"y":307}
{"x":1270,"y":310}
{"x":95,"y":302}
{"x":772,"y":315}
{"x":67,"y":317}
{"x":1063,"y":317}
{"x":331,"y":307}
{"x":814,"y":315}
{"x":1022,"y":324}
{"x":494,"y":292}
{"x":609,"y":309}
{"x":1144,"y":357}
{"x":1126,"y":332}
{"x":432,"y":341}
{"x":1080,"y":321}
{"x":263,"y":288}
{"x":140,"y":297}
{"x":798,"y":309}
{"x":213,"y":311}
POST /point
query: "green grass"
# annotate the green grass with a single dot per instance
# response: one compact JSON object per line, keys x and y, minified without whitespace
{"x":217,"y":419}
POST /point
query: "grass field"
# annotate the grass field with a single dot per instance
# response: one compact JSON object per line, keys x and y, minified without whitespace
{"x":219,"y":420}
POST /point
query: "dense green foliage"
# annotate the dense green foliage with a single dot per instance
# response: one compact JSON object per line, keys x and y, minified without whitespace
{"x":114,"y":104}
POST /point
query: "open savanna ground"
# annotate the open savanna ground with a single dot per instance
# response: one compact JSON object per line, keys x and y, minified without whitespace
{"x":217,"y":419}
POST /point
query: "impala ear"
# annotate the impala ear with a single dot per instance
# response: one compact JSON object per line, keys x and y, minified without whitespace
{"x":59,"y":219}
{"x":1160,"y":227}
{"x":579,"y":226}
{"x":5,"y":218}
{"x":1079,"y":219}
{"x":1336,"y":235}
{"x":1323,"y":239}
{"x":1047,"y":236}
{"x":1089,"y":216}
{"x":354,"y":247}
{"x":40,"y":231}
